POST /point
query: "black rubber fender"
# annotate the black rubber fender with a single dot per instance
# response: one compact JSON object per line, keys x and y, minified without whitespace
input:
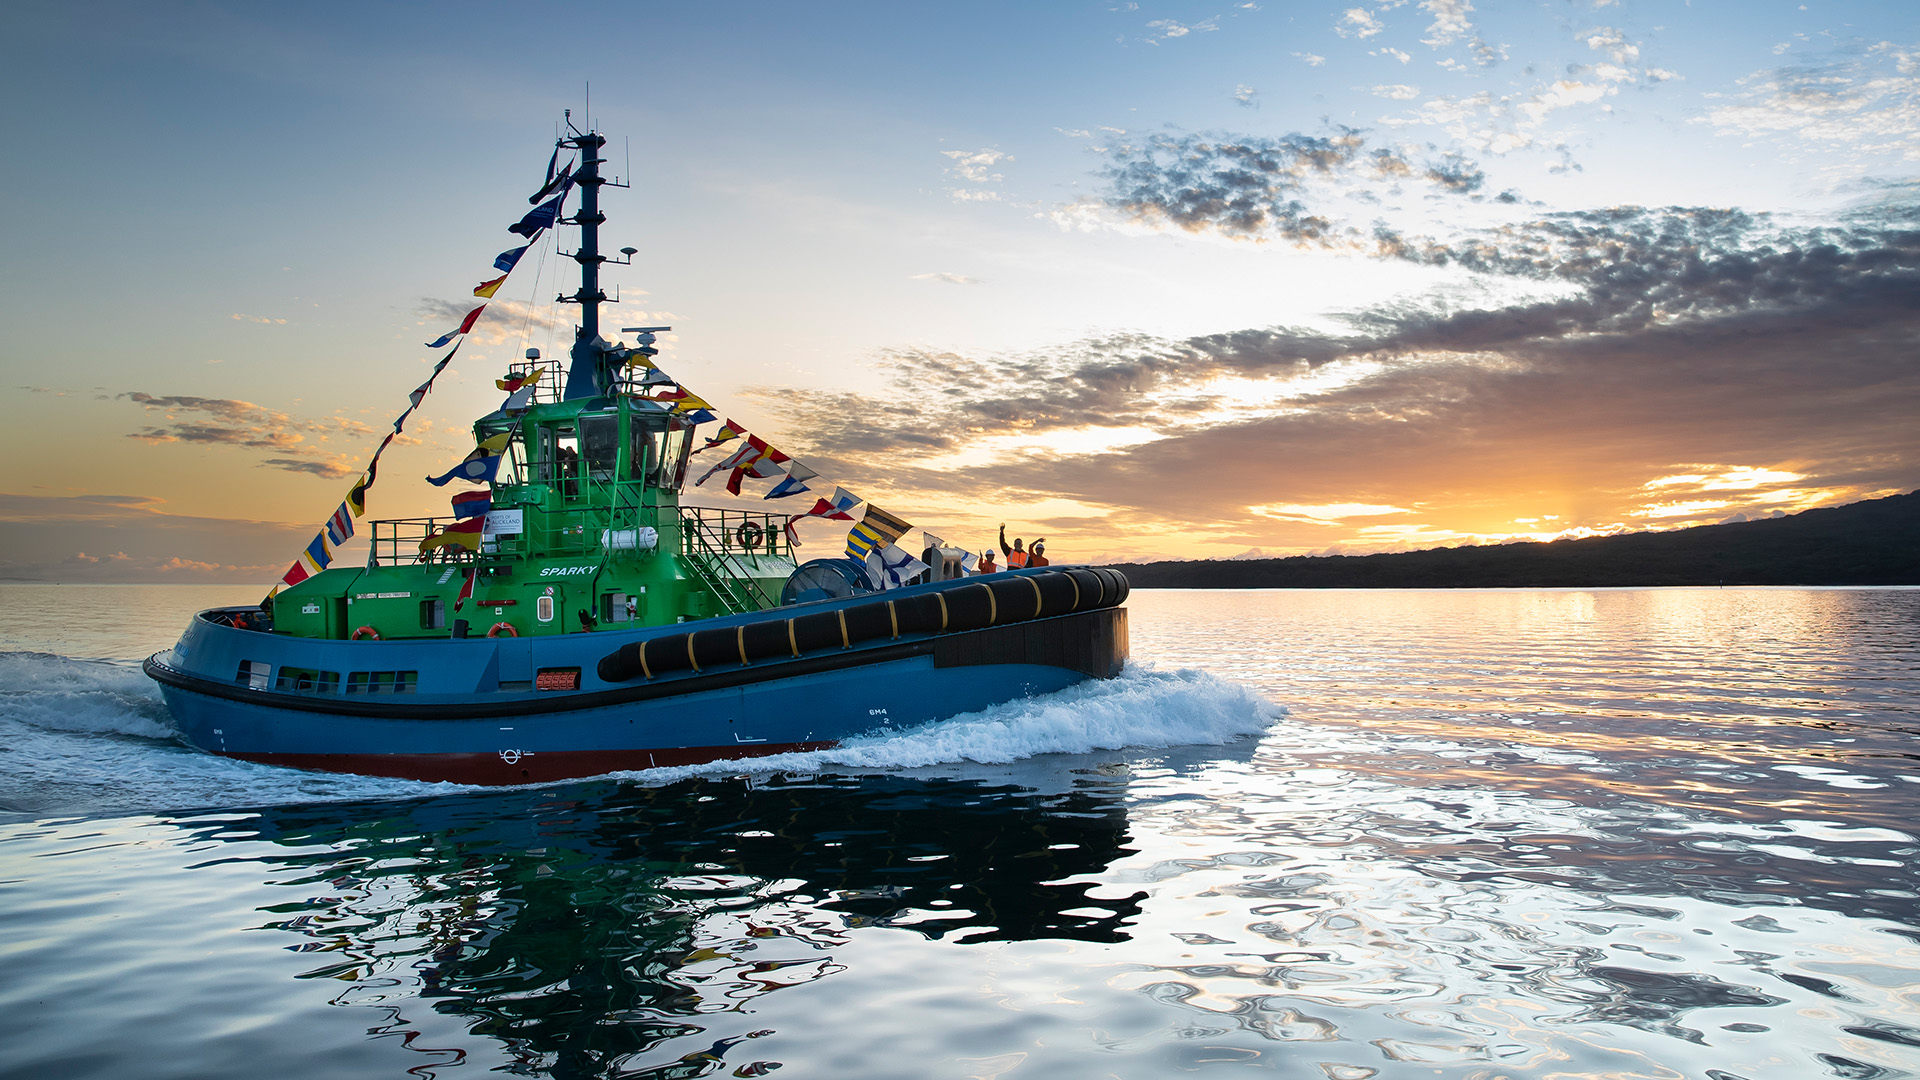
{"x":716,"y":647}
{"x":769,"y":640}
{"x":821,"y":630}
{"x":996,"y":600}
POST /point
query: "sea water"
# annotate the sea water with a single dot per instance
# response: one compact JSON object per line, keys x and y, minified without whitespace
{"x":1319,"y":834}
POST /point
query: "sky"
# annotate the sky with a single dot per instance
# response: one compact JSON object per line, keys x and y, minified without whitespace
{"x":1152,"y":280}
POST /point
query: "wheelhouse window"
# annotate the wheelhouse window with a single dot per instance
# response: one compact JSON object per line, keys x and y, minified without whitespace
{"x":513,"y":458}
{"x":659,"y":453}
{"x":600,"y":444}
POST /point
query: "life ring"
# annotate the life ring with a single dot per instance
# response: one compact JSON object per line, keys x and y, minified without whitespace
{"x":503,"y":628}
{"x":367,"y":631}
{"x":749,"y":534}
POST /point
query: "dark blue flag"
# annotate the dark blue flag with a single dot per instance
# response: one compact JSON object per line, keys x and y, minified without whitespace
{"x":554,"y":183}
{"x":538,"y":218}
{"x":505,"y":261}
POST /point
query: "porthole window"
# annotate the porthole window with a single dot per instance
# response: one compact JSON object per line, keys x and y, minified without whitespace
{"x":543,"y":609}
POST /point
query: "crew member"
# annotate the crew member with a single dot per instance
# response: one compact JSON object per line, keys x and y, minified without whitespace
{"x":1016,"y":555}
{"x":1036,"y":555}
{"x":986,"y":564}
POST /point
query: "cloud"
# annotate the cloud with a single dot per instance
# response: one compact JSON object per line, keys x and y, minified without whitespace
{"x":1867,"y":103}
{"x":1450,"y":21}
{"x":1165,"y":29}
{"x":225,"y":421}
{"x":1328,"y":514}
{"x":951,"y":279}
{"x":1311,"y":59}
{"x":1358,"y":23}
{"x":1397,"y":92}
{"x":44,"y":538}
{"x":1501,"y":123}
{"x":266,"y":320}
{"x":503,"y":321}
{"x":1614,"y":44}
{"x":333,"y":470}
{"x":975,"y":165}
{"x":1262,"y":187}
{"x":1246,"y":95}
{"x":1484,"y":54}
{"x":1385,"y":50}
{"x":1659,"y":367}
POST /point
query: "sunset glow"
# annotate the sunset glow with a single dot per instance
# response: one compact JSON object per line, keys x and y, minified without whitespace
{"x":1291,"y":280}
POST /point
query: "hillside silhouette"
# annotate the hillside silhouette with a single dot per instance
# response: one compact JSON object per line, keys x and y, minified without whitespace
{"x":1875,"y":542}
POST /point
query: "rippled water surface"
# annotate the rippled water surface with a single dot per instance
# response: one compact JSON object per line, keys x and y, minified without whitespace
{"x":1343,"y":835}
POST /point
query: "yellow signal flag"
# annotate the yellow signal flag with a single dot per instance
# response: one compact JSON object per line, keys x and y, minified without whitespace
{"x":488,"y":288}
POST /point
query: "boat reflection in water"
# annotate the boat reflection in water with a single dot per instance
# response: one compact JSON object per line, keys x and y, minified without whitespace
{"x":588,"y":929}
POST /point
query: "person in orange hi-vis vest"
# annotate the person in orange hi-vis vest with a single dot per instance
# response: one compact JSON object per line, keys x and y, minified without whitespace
{"x":1016,"y":555}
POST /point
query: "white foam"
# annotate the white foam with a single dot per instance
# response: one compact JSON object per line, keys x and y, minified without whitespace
{"x":54,"y":693}
{"x":90,"y":737}
{"x":1144,"y":707}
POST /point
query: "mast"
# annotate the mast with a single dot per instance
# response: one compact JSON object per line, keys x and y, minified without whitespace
{"x":586,"y":376}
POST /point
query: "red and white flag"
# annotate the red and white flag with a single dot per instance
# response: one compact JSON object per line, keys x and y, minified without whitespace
{"x":838,"y":508}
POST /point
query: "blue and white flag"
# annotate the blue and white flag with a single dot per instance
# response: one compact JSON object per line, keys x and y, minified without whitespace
{"x":891,"y":568}
{"x":479,"y":466}
{"x":793,"y":483}
{"x":508,"y":259}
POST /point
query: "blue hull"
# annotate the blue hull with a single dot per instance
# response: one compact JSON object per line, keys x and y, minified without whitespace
{"x":471,"y":711}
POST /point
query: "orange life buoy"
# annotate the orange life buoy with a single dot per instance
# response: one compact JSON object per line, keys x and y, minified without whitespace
{"x":502,"y":627}
{"x":749,"y":534}
{"x":364,"y":630}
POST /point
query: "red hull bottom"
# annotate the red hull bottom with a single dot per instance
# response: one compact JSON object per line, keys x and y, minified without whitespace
{"x":528,"y":767}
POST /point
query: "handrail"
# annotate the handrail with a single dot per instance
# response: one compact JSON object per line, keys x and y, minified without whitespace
{"x":708,"y":535}
{"x":552,"y":385}
{"x":396,"y":541}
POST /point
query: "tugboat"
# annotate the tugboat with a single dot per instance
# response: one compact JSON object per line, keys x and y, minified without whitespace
{"x":600,"y":624}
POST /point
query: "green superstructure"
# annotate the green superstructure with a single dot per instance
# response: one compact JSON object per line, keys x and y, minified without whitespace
{"x":586,"y":520}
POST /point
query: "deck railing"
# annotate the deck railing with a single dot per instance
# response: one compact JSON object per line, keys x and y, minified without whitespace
{"x":716,"y":540}
{"x":630,"y":380}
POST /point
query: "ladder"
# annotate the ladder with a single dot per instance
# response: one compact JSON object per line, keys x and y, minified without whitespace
{"x":720,"y":570}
